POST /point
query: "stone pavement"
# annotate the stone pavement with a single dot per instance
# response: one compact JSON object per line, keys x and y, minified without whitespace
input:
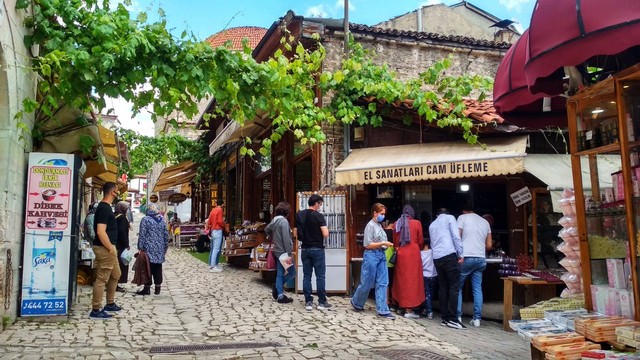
{"x":234,"y":310}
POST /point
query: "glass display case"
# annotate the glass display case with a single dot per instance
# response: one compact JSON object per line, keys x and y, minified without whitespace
{"x":543,"y":229}
{"x":604,"y":127}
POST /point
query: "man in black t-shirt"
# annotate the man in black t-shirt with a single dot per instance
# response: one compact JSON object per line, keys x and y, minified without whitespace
{"x":311,"y":229}
{"x":106,"y":261}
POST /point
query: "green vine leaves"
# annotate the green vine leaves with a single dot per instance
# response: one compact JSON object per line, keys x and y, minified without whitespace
{"x":89,"y":51}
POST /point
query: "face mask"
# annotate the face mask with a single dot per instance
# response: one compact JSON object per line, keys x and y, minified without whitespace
{"x":380,"y":218}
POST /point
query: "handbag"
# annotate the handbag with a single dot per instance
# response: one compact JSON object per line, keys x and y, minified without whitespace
{"x":394,"y":258}
{"x":271,"y":261}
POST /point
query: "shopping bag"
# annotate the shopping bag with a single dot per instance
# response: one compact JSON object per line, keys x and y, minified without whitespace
{"x":126,"y":256}
{"x":271,"y":261}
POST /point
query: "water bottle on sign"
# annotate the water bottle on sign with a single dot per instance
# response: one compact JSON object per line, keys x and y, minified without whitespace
{"x":43,"y":261}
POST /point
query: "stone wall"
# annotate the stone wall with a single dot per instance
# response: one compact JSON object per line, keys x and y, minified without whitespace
{"x":407,"y":59}
{"x":16,"y":83}
{"x":445,"y":20}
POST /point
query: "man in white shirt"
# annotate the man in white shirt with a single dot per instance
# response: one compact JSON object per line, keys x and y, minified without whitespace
{"x":447,"y":257}
{"x":476,"y":239}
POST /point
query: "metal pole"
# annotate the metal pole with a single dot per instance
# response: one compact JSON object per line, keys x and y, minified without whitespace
{"x":346,"y":28}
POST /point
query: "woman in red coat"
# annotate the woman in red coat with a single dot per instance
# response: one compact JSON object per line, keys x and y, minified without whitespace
{"x":408,"y":286}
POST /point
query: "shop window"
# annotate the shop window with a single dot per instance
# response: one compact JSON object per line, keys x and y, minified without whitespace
{"x":298,"y":148}
{"x":302,"y":175}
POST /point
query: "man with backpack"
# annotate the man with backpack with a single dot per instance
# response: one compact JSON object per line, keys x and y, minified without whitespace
{"x":311,"y":229}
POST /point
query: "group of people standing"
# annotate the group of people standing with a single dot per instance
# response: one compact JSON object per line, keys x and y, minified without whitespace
{"x":311,"y":230}
{"x":108,"y":231}
{"x":454,"y":251}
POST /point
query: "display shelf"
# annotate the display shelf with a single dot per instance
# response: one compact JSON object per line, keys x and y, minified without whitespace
{"x":607,"y":209}
{"x":611,"y":148}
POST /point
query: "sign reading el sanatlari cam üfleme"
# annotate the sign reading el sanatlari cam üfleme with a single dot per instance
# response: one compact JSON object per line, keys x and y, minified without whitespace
{"x":457,"y":168}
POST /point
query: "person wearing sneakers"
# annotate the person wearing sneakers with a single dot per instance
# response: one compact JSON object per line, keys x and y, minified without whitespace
{"x":311,"y":230}
{"x":154,"y":241}
{"x":429,"y":277}
{"x":374,"y":271}
{"x":104,"y":248}
{"x":447,"y":257}
{"x":215,"y":225}
{"x":476,"y":239}
{"x":280,"y":231}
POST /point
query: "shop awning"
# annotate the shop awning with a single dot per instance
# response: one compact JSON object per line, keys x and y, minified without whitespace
{"x":555,"y":171}
{"x":442,"y":160}
{"x":176,"y":175}
{"x":568,"y":33}
{"x":224,"y":135}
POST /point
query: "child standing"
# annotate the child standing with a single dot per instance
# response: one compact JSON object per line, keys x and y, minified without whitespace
{"x":429,"y":276}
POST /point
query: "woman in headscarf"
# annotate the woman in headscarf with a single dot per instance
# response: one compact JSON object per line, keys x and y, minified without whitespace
{"x":408,"y":285}
{"x":154,"y":241}
{"x":123,"y":240}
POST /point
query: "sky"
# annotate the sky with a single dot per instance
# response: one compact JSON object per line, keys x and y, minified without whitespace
{"x":203,"y":18}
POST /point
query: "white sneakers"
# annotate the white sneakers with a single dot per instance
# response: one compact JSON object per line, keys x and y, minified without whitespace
{"x":215,"y":269}
{"x":475,"y":322}
{"x":411,"y":315}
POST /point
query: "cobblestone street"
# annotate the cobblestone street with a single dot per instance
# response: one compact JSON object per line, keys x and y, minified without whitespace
{"x":234,"y":309}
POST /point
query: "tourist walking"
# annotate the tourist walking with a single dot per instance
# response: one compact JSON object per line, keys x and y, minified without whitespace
{"x":122,"y":208}
{"x":280,"y":233}
{"x":408,"y":285}
{"x":447,"y":257}
{"x":154,"y":241}
{"x":104,"y":248}
{"x":311,"y":229}
{"x":374,"y":273}
{"x":215,"y":226}
{"x":476,"y":240}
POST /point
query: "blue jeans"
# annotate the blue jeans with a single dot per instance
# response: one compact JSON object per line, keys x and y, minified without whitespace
{"x":313,"y":261}
{"x":473,"y":266}
{"x":281,"y":278}
{"x":374,"y":273}
{"x":429,"y":289}
{"x":216,"y":245}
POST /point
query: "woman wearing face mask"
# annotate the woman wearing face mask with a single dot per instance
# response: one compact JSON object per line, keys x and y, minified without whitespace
{"x":374,"y":265}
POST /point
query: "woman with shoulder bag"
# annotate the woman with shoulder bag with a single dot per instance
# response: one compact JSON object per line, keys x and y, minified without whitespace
{"x":280,"y":232}
{"x":374,"y":265}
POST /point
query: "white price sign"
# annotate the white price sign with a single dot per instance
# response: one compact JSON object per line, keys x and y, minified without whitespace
{"x":521,"y":196}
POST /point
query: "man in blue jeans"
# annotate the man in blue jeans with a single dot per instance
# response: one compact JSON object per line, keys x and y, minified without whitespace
{"x":311,"y":230}
{"x":475,"y":232}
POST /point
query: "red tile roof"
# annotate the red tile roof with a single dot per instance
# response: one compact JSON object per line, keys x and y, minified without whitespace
{"x":482,"y":111}
{"x":236,"y":35}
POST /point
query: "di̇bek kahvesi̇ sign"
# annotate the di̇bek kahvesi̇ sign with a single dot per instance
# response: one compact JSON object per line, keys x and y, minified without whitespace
{"x":48,"y":198}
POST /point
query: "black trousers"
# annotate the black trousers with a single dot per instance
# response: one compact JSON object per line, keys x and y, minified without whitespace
{"x":448,"y":271}
{"x":156,"y":274}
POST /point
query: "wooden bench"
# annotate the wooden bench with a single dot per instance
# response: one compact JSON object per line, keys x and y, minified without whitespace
{"x":188,"y":235}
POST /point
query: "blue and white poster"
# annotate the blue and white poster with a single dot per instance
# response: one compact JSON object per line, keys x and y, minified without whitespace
{"x":48,"y":215}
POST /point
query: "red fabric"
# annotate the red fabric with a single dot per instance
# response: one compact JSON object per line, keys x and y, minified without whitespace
{"x":216,"y":220}
{"x":569,"y":32}
{"x":408,"y":286}
{"x":512,"y":98}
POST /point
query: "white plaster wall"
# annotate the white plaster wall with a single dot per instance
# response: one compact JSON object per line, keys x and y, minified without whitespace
{"x":16,"y":82}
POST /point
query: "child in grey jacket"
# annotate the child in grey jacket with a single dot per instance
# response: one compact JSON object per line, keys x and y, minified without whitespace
{"x":280,"y":232}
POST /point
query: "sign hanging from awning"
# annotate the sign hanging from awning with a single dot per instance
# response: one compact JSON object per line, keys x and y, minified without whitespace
{"x":432,"y":161}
